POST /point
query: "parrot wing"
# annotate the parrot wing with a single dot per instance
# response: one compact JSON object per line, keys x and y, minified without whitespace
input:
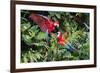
{"x":42,"y":21}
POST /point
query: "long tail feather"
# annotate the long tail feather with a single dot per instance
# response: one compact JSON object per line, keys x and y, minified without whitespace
{"x":47,"y":36}
{"x":69,"y":47}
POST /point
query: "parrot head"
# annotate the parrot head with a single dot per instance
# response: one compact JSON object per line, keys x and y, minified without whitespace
{"x":58,"y":34}
{"x":56,"y":24}
{"x":60,"y":38}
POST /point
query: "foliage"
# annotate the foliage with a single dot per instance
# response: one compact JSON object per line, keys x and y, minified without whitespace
{"x":34,"y":47}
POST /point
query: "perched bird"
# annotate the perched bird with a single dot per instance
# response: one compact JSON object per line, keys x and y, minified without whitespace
{"x":44,"y":23}
{"x":61,"y":41}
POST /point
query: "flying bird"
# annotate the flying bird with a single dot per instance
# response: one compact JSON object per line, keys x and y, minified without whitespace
{"x":61,"y":41}
{"x":44,"y":23}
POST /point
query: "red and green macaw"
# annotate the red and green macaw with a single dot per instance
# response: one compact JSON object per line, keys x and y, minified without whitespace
{"x":67,"y":45}
{"x":47,"y":26}
{"x":44,"y":23}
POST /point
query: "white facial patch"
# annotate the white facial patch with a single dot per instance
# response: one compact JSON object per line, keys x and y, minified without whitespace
{"x":58,"y":34}
{"x":56,"y":24}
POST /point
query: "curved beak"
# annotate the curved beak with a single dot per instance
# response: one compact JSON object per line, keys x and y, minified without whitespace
{"x":57,"y":25}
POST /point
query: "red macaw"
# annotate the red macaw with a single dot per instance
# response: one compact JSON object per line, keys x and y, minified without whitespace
{"x":44,"y":23}
{"x":61,"y":41}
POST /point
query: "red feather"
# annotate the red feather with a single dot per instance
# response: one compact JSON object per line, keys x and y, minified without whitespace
{"x":43,"y":22}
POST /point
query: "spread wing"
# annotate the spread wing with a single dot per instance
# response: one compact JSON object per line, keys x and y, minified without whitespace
{"x":42,"y":21}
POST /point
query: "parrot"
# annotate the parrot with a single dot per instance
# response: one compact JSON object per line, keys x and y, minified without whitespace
{"x":61,"y":41}
{"x":44,"y":23}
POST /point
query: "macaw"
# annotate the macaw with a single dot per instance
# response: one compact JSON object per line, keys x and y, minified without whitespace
{"x":44,"y":23}
{"x":61,"y":41}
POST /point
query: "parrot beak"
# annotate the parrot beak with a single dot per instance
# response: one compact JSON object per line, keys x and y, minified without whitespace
{"x":56,"y":24}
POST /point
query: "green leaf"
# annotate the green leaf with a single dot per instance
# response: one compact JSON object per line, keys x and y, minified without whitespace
{"x":33,"y":31}
{"x":25,"y":26}
{"x":27,"y":39}
{"x":40,"y":36}
{"x":58,"y":15}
